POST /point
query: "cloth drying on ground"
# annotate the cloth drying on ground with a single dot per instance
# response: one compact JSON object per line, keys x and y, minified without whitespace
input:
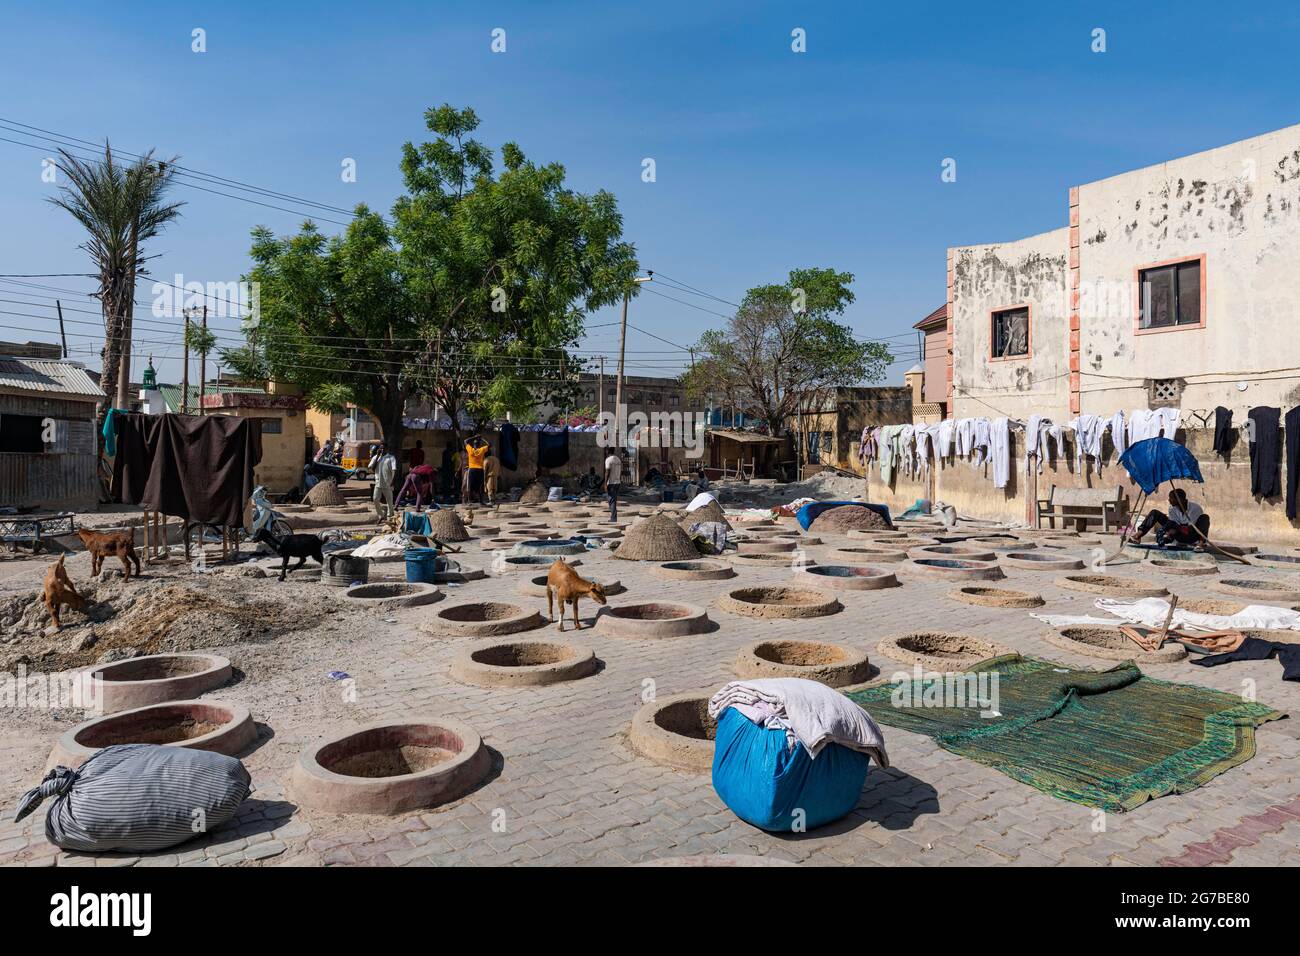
{"x":808,"y":711}
{"x":387,"y":545}
{"x":1111,"y":739}
{"x":711,"y":537}
{"x":1256,"y":649}
{"x":1152,"y":611}
{"x":1264,"y":456}
{"x":195,"y":467}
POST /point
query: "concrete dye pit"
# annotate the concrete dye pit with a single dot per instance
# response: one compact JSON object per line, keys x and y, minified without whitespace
{"x":1109,"y":644}
{"x":953,"y":551}
{"x":900,"y":544}
{"x":482,"y":619}
{"x":600,"y":532}
{"x":1001,"y":544}
{"x":997,"y":597}
{"x":767,"y":558}
{"x":536,"y":586}
{"x":392,"y":595}
{"x":676,"y":731}
{"x":800,"y":540}
{"x":388,"y":768}
{"x":956,"y":569}
{"x":1041,"y":561}
{"x":498,"y":544}
{"x":1185,"y":567}
{"x":652,"y":619}
{"x":1109,"y":584}
{"x":142,"y":681}
{"x":1288,"y":562}
{"x":523,"y":664}
{"x":530,"y":534}
{"x":938,"y":651}
{"x":552,"y":546}
{"x":765,"y":546}
{"x":779,"y":602}
{"x":213,"y":725}
{"x":693,"y":571}
{"x":845,"y":577}
{"x":532,"y":560}
{"x":868,"y":553}
{"x":1256,"y":590}
{"x":830,"y":664}
{"x":1211,"y":606}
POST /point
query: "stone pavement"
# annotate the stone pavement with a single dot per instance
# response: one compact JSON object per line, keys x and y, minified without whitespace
{"x":566,"y":789}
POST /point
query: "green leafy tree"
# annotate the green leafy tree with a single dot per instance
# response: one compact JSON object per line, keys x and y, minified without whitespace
{"x":472,"y":296}
{"x":784,"y":346}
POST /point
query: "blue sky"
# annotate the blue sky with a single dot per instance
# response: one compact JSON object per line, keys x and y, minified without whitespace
{"x":766,"y":160}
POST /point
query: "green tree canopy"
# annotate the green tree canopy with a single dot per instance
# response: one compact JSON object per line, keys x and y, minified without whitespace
{"x":472,"y":294}
{"x":783,"y":345}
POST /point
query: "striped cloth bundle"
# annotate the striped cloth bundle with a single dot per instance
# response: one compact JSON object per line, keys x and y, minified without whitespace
{"x":138,"y":797}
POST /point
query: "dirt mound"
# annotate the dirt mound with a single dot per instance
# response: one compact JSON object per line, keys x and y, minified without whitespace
{"x":324,"y":494}
{"x":534,"y":493}
{"x":149,"y":617}
{"x":849,"y":518}
{"x":657,"y":538}
{"x":445,"y":525}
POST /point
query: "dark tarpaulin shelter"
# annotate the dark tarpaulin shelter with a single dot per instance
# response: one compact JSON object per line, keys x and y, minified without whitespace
{"x":194,"y":467}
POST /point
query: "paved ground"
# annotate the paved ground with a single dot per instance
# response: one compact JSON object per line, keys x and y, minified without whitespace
{"x":567,"y":789}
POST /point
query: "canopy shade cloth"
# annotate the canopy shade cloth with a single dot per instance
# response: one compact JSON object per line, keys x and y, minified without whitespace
{"x":1111,"y":739}
{"x":1153,"y":461}
{"x":195,"y":467}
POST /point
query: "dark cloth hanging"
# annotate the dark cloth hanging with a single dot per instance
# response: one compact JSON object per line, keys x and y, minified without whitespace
{"x":552,"y":449}
{"x":509,"y":451}
{"x":1255,"y":649}
{"x":1264,"y":457}
{"x":1222,"y":431}
{"x":195,"y":467}
{"x":1292,"y":460}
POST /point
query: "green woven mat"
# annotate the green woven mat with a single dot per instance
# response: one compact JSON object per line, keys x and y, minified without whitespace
{"x":1111,"y":739}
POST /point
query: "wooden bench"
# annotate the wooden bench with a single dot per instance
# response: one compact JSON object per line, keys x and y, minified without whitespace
{"x":1081,"y":505}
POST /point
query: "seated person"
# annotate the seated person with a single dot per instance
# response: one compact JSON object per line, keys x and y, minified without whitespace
{"x":590,"y":482}
{"x":654,"y":477}
{"x":1180,"y":526}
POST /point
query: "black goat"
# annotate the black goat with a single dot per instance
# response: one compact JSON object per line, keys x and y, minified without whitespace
{"x":300,"y":546}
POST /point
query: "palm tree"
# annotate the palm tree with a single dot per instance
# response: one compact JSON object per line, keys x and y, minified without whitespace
{"x":121,"y":207}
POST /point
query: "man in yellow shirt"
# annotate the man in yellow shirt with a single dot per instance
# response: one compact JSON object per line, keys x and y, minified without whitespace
{"x":476,"y":451}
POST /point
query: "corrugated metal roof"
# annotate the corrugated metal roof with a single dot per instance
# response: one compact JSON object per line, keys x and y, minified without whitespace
{"x":172,"y":395}
{"x":47,"y":377}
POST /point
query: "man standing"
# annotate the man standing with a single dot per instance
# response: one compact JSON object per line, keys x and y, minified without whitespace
{"x":384,"y":467}
{"x":476,"y":451}
{"x":491,"y":475}
{"x":613,"y":478}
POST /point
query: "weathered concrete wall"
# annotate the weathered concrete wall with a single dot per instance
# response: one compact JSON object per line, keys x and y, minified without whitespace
{"x":1235,"y":514}
{"x":1239,"y":206}
{"x":1031,"y":272}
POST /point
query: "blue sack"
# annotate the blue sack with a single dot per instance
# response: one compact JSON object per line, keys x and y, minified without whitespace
{"x":767,"y":784}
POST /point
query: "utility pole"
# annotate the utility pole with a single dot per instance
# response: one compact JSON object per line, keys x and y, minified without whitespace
{"x":601,"y":389}
{"x":203,"y":364}
{"x":622,"y":346}
{"x":185,"y":365}
{"x":62,"y":335}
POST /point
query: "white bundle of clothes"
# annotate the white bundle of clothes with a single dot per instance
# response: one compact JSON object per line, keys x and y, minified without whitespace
{"x":1151,"y":612}
{"x":808,"y":711}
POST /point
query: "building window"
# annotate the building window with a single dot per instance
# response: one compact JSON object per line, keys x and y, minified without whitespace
{"x":1011,"y":332}
{"x":1165,"y":392}
{"x":271,"y":426}
{"x":674,"y":400}
{"x":611,"y":396}
{"x":1170,"y":294}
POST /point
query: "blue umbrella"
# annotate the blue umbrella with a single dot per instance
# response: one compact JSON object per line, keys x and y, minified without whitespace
{"x":1154,"y":461}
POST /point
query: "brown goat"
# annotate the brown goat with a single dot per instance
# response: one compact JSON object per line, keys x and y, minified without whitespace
{"x":564,"y":583}
{"x":107,"y":544}
{"x":59,"y":590}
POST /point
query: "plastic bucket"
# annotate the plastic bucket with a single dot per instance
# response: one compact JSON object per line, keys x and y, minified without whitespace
{"x":423,"y":565}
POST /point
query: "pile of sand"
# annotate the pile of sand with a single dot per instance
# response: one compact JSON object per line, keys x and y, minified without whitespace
{"x":324,"y":494}
{"x":534,"y":493}
{"x":656,"y":538}
{"x":849,"y":518}
{"x":445,"y":525}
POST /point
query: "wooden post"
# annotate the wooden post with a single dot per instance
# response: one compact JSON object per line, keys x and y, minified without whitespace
{"x":203,"y":370}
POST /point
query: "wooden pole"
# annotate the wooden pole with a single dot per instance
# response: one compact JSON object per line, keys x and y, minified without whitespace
{"x":203,"y":366}
{"x":185,"y":368}
{"x":62,"y":335}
